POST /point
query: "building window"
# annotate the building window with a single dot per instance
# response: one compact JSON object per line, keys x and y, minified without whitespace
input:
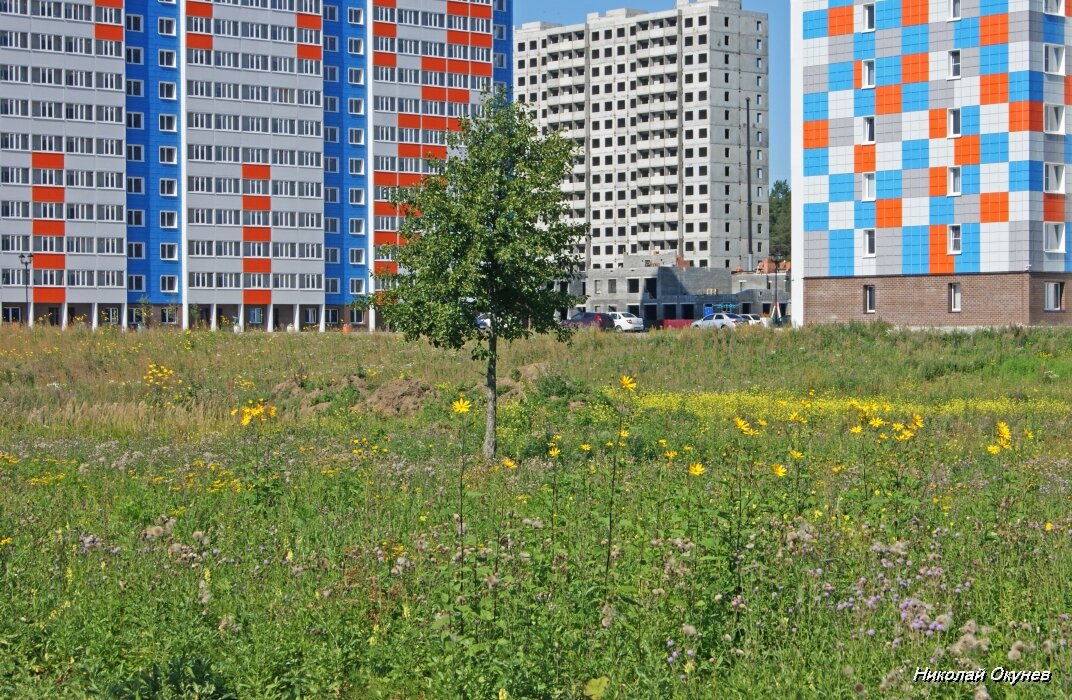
{"x":167,"y":122}
{"x":1054,"y":7}
{"x":954,"y":182}
{"x":954,"y":297}
{"x":169,"y":251}
{"x":867,"y":191}
{"x":166,"y":26}
{"x":869,"y":298}
{"x":1054,"y":293}
{"x":869,"y":17}
{"x":1055,"y":119}
{"x":1053,"y":238}
{"x":1054,"y":59}
{"x":954,"y":122}
{"x":954,"y":9}
{"x":169,"y":284}
{"x":954,"y":64}
{"x":869,"y":243}
{"x":1055,"y":178}
{"x":954,"y":242}
{"x":869,"y":130}
{"x":868,"y":74}
{"x":135,"y":283}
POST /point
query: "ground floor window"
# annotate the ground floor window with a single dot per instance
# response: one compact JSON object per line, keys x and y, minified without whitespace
{"x":954,"y":297}
{"x":256,"y":316}
{"x":869,"y":298}
{"x":1054,"y":296}
{"x":331,"y":317}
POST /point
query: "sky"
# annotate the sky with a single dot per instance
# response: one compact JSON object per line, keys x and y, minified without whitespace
{"x":575,"y":11}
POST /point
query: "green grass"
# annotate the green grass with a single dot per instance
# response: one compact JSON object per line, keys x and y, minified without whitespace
{"x":158,"y":548}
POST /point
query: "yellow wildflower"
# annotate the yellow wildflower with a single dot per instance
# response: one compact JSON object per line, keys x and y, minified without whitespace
{"x":696,"y":469}
{"x":876,"y":422}
{"x":779,"y":470}
{"x":586,"y":447}
{"x":509,"y":463}
{"x":628,"y":383}
{"x":856,"y":429}
{"x":1049,"y":527}
{"x":993,"y":449}
{"x":623,"y":433}
{"x":796,"y":454}
{"x":461,"y":405}
{"x":554,"y":452}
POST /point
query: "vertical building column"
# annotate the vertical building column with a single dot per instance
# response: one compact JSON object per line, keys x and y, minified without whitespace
{"x":123,"y":315}
{"x":63,"y":316}
{"x":212,"y":319}
{"x":323,"y":320}
{"x":240,"y":323}
{"x":297,"y":317}
{"x":30,"y":313}
{"x":269,"y":323}
{"x":95,"y":316}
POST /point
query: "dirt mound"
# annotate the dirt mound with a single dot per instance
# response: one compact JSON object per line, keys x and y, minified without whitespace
{"x":399,"y":397}
{"x":530,"y":373}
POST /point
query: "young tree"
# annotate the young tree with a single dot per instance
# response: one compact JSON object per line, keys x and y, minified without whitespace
{"x":780,"y":206}
{"x":484,"y":235}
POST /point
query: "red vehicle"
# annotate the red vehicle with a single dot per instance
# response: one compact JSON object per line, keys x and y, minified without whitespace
{"x":591,"y":319}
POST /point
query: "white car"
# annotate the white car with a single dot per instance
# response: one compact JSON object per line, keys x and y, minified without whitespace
{"x":716,"y":321}
{"x":625,"y":321}
{"x":753,"y":319}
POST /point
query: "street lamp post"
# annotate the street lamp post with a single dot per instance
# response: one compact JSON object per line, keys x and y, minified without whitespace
{"x":777,"y":310}
{"x":26,"y":259}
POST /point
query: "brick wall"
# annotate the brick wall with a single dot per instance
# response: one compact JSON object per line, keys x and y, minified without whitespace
{"x":986,"y":300}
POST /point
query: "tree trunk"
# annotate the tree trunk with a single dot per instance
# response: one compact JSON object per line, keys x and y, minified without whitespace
{"x":491,"y":382}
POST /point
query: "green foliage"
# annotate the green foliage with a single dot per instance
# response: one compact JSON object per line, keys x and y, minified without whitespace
{"x":780,"y":206}
{"x":485,"y":234}
{"x":322,"y":557}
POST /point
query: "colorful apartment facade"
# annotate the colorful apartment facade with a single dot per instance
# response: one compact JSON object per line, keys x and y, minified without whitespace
{"x":929,"y":158}
{"x":222,"y":162}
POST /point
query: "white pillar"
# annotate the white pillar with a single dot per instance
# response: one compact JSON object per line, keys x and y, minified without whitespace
{"x":323,"y":321}
{"x":30,"y":314}
{"x":270,"y":321}
{"x":123,"y":315}
{"x":297,"y":320}
{"x":63,"y":316}
{"x":371,"y":316}
{"x":96,"y":314}
{"x":212,"y":319}
{"x":184,"y":309}
{"x":240,"y":323}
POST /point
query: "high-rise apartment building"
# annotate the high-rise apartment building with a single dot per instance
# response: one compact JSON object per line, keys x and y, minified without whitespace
{"x":657,"y":104}
{"x":222,"y":161}
{"x":929,"y":159}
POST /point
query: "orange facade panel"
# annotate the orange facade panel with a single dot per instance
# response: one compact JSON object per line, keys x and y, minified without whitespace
{"x":457,"y":8}
{"x":385,"y":179}
{"x":941,"y":262}
{"x":47,"y":227}
{"x":384,"y":3}
{"x":483,"y":69}
{"x":256,"y":234}
{"x":409,"y":179}
{"x":481,"y":11}
{"x":409,"y":121}
{"x":434,"y":152}
{"x":457,"y":66}
{"x":251,"y":171}
{"x":384,"y":29}
{"x":432,"y":63}
{"x":118,"y":4}
{"x":433,"y":93}
{"x":309,"y":21}
{"x":257,"y":265}
{"x":382,"y":58}
{"x":108,"y":32}
{"x":310,"y":51}
{"x":251,"y":202}
{"x":385,"y":238}
{"x":481,"y":40}
{"x":1053,"y":207}
{"x":49,"y":261}
{"x":409,"y":150}
{"x":384,"y":267}
{"x":49,"y":295}
{"x":199,"y":41}
{"x":47,"y":194}
{"x":385,"y":209}
{"x":458,"y":95}
{"x":438,"y":123}
{"x":198,"y":9}
{"x":257,"y":297}
{"x":457,"y":38}
{"x":52,"y":161}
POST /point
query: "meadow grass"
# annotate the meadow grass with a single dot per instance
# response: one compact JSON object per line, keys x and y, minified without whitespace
{"x":808,"y":513}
